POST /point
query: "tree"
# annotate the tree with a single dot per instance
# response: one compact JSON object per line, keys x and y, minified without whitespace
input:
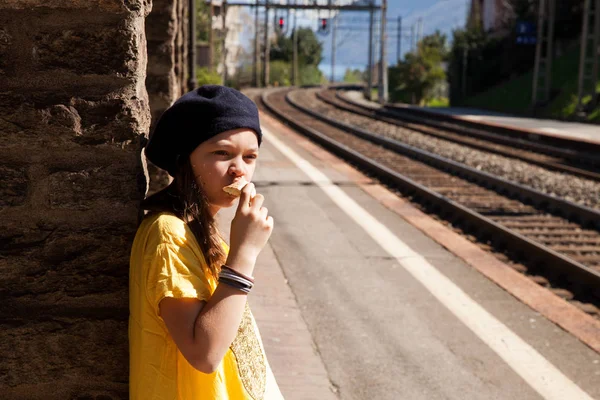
{"x":415,"y":78}
{"x":310,"y":50}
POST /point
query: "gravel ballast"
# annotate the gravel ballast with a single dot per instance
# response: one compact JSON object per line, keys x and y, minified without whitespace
{"x":566,"y":186}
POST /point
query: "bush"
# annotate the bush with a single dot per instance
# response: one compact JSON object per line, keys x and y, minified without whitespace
{"x":280,"y":73}
{"x":243,"y":77}
{"x":311,"y":75}
{"x":205,"y":77}
{"x":353,"y":76}
{"x":420,"y":76}
{"x":438,"y":102}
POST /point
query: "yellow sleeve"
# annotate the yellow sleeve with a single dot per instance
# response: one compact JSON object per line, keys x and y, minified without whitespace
{"x":175,"y":271}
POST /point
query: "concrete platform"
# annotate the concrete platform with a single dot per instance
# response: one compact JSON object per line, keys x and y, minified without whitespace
{"x":570,"y":130}
{"x":344,"y":315}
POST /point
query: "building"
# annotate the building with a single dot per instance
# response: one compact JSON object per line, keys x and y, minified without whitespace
{"x":233,"y":29}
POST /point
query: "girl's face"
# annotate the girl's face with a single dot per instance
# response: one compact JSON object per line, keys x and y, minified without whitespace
{"x":221,"y":160}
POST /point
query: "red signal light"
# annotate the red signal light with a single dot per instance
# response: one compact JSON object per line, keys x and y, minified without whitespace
{"x":281,"y":23}
{"x":324,"y":23}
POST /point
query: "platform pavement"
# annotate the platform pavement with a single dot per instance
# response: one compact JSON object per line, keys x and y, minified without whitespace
{"x":336,"y":313}
{"x":570,"y":130}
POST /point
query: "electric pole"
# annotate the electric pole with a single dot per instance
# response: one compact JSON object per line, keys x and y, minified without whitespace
{"x":590,"y":52}
{"x":465,"y":60}
{"x":334,"y":27}
{"x":295,"y":79}
{"x":255,"y":73}
{"x":192,"y":45}
{"x":399,"y":44}
{"x":383,"y":89}
{"x":370,"y":66}
{"x":211,"y":39}
{"x":223,"y":45}
{"x":266,"y":47}
{"x":542,"y":71}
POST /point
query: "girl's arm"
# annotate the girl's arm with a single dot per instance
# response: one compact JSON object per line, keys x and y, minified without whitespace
{"x":203,"y":331}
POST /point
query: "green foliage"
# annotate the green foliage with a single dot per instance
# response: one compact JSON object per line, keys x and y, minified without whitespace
{"x":514,"y":96}
{"x":310,"y":50}
{"x":280,"y":73}
{"x":438,"y":102}
{"x":479,"y":62}
{"x":202,"y":21}
{"x":243,"y":77}
{"x":205,"y":77}
{"x":311,"y":75}
{"x":415,"y":78}
{"x":353,"y":76}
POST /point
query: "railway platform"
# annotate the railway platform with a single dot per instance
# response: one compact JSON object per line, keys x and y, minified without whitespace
{"x":360,"y":295}
{"x":587,"y":133}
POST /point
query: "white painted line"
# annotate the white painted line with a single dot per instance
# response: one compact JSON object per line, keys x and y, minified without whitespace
{"x":538,"y":372}
{"x":472,"y":117}
{"x":551,"y":130}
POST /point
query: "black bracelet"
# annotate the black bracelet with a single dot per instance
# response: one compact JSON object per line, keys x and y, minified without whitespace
{"x":235,"y":284}
{"x":249,"y":278}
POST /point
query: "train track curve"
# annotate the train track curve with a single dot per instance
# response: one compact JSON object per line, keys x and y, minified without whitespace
{"x":554,"y":238}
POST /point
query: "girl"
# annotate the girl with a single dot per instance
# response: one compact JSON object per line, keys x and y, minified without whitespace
{"x":191,"y":332}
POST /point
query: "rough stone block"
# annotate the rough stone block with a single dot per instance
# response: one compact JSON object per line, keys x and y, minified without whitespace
{"x":84,"y":189}
{"x":114,"y":121}
{"x":105,"y":51}
{"x":51,"y":258}
{"x":5,"y":44}
{"x":110,"y":121}
{"x":52,"y":126}
{"x":161,"y":23}
{"x":84,"y":257}
{"x":161,"y":58}
{"x":58,"y":350}
{"x":20,"y":239}
{"x":13,"y":186}
{"x":116,"y":6}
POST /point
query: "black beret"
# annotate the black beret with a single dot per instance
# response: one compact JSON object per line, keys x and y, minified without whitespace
{"x":195,"y":117}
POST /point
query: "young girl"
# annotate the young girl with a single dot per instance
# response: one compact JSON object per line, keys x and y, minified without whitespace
{"x":191,"y":332}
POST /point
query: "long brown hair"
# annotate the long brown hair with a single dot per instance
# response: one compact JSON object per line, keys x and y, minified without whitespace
{"x":188,"y":201}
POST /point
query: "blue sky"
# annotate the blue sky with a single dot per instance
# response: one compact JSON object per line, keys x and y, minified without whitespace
{"x":352,"y":37}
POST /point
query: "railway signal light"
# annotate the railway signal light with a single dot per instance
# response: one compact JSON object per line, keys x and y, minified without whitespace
{"x":281,"y":23}
{"x":323,"y":24}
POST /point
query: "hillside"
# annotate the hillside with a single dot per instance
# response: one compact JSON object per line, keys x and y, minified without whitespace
{"x":514,"y":96}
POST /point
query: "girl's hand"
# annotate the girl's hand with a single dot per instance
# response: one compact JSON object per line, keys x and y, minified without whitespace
{"x":250,"y":229}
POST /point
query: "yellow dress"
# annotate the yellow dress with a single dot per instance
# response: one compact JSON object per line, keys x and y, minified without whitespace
{"x":166,"y":261}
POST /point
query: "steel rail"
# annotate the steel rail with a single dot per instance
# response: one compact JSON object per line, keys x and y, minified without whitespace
{"x":467,"y":140}
{"x":542,"y":256}
{"x":580,"y":152}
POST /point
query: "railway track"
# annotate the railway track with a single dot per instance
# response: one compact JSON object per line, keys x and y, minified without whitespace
{"x":557,"y":242}
{"x":553,"y":158}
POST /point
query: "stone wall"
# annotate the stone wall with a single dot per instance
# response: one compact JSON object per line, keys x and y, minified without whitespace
{"x":166,"y":31}
{"x":73,"y":115}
